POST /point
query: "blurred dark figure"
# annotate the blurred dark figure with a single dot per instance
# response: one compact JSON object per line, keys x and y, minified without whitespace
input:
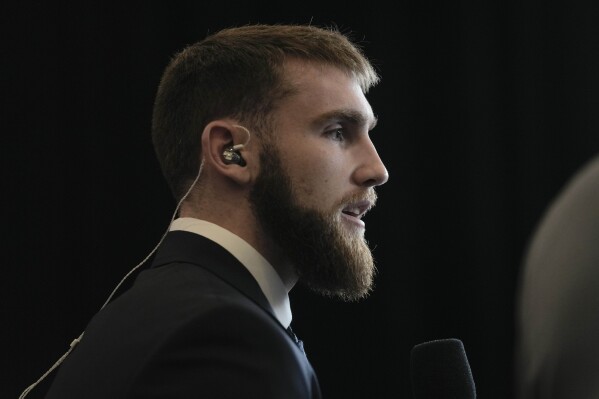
{"x":557,"y":326}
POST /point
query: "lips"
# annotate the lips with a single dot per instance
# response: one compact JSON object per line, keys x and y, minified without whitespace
{"x":357,"y":209}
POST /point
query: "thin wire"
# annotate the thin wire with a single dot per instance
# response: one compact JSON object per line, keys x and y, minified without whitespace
{"x":247,"y":132}
{"x":78,"y":339}
{"x":161,"y":239}
{"x":56,"y":364}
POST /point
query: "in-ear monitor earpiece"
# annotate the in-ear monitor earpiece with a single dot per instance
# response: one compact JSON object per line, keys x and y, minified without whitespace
{"x":232,"y":155}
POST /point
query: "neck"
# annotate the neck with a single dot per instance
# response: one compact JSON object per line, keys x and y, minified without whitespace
{"x":244,"y":225}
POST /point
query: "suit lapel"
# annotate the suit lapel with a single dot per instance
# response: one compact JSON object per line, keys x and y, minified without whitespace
{"x":186,"y":247}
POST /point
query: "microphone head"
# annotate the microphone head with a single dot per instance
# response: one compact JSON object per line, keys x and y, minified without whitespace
{"x":440,"y":370}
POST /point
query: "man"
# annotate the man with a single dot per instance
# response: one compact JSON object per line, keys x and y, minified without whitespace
{"x":557,"y":351}
{"x":262,"y":133}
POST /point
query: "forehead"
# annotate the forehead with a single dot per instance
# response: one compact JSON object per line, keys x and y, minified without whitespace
{"x":321,"y":92}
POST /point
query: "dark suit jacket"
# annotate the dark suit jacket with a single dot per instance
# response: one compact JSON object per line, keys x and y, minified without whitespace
{"x":194,"y":325}
{"x":557,"y":351}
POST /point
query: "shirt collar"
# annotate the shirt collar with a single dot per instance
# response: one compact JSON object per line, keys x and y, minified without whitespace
{"x":265,"y":275}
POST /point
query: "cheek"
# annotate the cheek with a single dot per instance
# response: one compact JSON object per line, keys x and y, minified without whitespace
{"x":317,"y":182}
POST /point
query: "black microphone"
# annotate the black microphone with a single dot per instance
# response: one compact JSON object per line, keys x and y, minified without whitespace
{"x":440,"y":370}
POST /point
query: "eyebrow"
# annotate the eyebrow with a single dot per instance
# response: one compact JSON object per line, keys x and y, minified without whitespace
{"x":349,"y":116}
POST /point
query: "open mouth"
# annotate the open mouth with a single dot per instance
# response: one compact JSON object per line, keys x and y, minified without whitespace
{"x":357,"y":209}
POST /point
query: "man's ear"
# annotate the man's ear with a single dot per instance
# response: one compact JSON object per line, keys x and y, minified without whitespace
{"x":225,"y":150}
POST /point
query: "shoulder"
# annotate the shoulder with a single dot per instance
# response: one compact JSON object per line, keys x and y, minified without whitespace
{"x":558,"y":302}
{"x":229,"y":351}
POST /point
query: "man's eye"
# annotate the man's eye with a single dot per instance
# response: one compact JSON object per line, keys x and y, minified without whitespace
{"x":337,"y":134}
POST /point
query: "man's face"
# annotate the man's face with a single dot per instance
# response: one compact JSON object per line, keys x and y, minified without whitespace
{"x":316,"y":180}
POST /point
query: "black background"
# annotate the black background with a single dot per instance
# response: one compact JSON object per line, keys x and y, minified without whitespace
{"x":485,"y":108}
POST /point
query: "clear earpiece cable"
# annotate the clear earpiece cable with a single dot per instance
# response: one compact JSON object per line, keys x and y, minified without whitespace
{"x":78,"y":339}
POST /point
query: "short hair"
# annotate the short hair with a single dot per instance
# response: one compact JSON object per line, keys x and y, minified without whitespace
{"x":238,"y":73}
